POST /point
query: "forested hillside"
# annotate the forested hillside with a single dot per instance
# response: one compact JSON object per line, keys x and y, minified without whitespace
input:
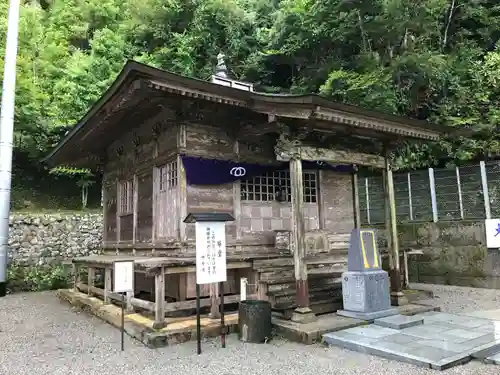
{"x":429,"y":59}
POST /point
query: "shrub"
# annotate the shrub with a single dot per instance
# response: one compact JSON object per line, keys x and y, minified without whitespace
{"x":38,"y":278}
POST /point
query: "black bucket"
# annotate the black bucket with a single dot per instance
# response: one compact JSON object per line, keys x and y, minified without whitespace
{"x":254,"y":321}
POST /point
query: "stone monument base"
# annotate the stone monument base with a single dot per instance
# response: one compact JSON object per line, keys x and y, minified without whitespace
{"x":366,"y":295}
{"x":368,"y":316}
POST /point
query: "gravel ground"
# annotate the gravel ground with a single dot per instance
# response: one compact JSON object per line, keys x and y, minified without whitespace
{"x":455,"y":299}
{"x":39,"y":335}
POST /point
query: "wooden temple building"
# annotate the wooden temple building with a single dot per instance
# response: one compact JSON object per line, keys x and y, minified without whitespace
{"x":284,"y":166}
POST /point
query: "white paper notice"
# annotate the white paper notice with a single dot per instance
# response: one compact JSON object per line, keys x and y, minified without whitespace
{"x":210,"y":252}
{"x":123,"y":277}
{"x":492,"y":227}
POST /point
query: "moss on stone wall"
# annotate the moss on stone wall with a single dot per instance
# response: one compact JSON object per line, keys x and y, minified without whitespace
{"x":455,"y":253}
{"x":41,"y":243}
{"x":452,"y":263}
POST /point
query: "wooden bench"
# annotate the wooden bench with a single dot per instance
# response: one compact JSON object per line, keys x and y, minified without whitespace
{"x":156,"y":267}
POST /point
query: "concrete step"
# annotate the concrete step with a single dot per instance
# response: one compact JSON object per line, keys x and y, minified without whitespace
{"x":494,"y":359}
{"x":399,"y":321}
{"x":443,"y":341}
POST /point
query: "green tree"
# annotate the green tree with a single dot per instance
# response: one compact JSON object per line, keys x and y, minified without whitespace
{"x":430,"y":59}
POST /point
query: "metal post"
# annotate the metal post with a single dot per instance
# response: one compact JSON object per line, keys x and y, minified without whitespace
{"x":6,"y":136}
{"x":222,"y":323}
{"x":123,"y":323}
{"x":486,"y":194}
{"x":459,"y":188}
{"x":407,"y":275}
{"x":198,"y":320}
{"x":432,"y":185}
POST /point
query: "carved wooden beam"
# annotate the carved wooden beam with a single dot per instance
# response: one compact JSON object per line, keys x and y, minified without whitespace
{"x":284,"y":110}
{"x":125,"y":98}
{"x":376,"y":123}
{"x":94,"y":162}
{"x":179,"y":89}
{"x":328,"y":155}
{"x":259,"y":128}
{"x":254,"y":130}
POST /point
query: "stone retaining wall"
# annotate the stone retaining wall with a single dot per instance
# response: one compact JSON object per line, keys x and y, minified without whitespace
{"x":455,"y":253}
{"x":38,"y":239}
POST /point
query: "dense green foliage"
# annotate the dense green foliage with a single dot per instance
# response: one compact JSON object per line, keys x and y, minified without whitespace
{"x":37,"y":278}
{"x":429,"y":59}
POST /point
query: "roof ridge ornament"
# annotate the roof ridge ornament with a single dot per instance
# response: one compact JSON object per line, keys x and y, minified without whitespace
{"x":221,"y":76}
{"x":221,"y":68}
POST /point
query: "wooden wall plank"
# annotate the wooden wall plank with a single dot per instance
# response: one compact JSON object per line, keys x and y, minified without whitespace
{"x":337,"y":202}
{"x":208,"y":141}
{"x":110,"y":212}
{"x":210,"y":199}
{"x":182,"y":193}
{"x":126,"y":228}
{"x":135,"y":203}
{"x":145,"y":207}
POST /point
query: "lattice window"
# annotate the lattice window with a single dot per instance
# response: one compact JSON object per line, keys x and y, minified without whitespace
{"x":126,"y":197}
{"x":272,"y":185}
{"x":167,"y":201}
{"x":310,"y":187}
{"x":167,"y":175}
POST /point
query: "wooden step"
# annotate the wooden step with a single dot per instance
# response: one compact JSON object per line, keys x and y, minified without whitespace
{"x":318,"y":307}
{"x":326,"y":282}
{"x":263,"y":265}
{"x":288,"y":275}
{"x":339,"y":237}
{"x":312,"y":291}
{"x":314,"y":298}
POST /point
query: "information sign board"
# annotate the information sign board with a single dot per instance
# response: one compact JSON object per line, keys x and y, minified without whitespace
{"x":210,"y":252}
{"x":123,"y":276}
{"x":492,"y":227}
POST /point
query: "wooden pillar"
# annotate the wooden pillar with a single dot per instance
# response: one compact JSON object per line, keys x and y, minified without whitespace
{"x":182,"y":192}
{"x":105,"y":211}
{"x":183,"y":281}
{"x":214,"y":301}
{"x":117,"y":214}
{"x":90,"y":279}
{"x":303,"y":312}
{"x":397,"y":296}
{"x":355,"y":198}
{"x":107,"y":284}
{"x":159,"y":299}
{"x":76,"y":277}
{"x":387,"y":217}
{"x":262,"y":290}
{"x":130,"y":307}
{"x":135,"y":207}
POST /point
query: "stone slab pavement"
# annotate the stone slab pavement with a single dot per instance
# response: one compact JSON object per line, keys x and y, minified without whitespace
{"x":443,"y":341}
{"x":39,"y":335}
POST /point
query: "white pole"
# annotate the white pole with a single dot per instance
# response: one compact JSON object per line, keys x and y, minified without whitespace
{"x":432,"y":185}
{"x":243,"y":289}
{"x":6,"y":136}
{"x":410,"y":198}
{"x":459,"y":188}
{"x":486,"y":194}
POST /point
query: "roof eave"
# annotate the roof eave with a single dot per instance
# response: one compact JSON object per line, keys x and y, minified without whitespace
{"x":310,"y":105}
{"x":122,"y":77}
